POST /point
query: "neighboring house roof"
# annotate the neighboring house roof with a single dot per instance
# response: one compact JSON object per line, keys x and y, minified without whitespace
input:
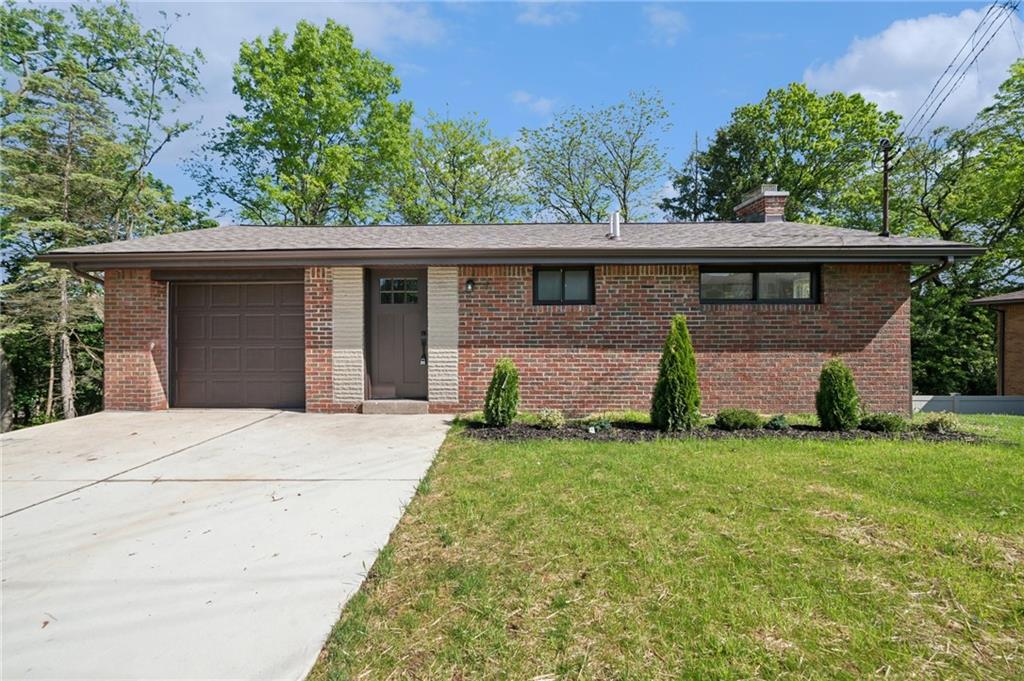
{"x":1002,"y":299}
{"x":510,"y":243}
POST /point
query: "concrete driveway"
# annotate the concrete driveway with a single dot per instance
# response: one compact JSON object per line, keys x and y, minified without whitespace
{"x":195,"y":544}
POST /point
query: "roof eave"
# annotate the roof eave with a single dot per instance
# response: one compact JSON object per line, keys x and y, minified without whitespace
{"x":317,"y":257}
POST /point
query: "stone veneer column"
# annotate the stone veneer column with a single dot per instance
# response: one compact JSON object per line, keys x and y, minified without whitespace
{"x":443,"y":337}
{"x":347,"y":346}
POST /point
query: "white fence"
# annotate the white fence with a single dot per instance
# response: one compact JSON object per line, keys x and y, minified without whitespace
{"x":971,"y":404}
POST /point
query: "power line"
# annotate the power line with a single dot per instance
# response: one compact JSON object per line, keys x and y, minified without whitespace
{"x":957,"y":71}
{"x":910,"y":121}
{"x":938,"y":95}
{"x":988,"y":37}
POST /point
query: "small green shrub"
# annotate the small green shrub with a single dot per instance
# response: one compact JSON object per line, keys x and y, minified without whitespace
{"x":502,"y":400}
{"x":884,"y":422}
{"x":550,"y":419}
{"x":941,"y":422}
{"x":598,"y":424}
{"x":777,"y":423}
{"x":738,"y":419}
{"x":836,"y":401}
{"x":675,"y":404}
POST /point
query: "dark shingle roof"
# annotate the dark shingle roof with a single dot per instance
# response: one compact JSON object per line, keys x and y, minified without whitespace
{"x":504,"y":240}
{"x":477,"y":237}
{"x":1005,"y":298}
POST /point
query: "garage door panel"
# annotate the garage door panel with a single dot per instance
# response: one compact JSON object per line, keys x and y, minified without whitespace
{"x":189,"y":359}
{"x":260,"y":295}
{"x":239,"y":345}
{"x":292,"y":392}
{"x":191,"y":392}
{"x":225,"y":295}
{"x":225,"y":327}
{"x":189,"y":327}
{"x":259,"y":327}
{"x":290,"y":295}
{"x":291,"y":327}
{"x":290,"y":359}
{"x":225,"y":359}
{"x":191,"y":295}
{"x":260,"y":359}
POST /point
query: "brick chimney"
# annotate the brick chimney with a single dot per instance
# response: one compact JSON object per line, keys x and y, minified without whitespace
{"x":763,"y":204}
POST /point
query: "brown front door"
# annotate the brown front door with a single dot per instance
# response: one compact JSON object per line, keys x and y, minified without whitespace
{"x":237,"y":345}
{"x":398,"y":334}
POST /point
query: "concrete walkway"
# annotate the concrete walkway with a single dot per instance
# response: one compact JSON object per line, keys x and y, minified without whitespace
{"x":195,"y":544}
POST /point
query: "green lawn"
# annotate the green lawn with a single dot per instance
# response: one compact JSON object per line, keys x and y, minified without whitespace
{"x":702,"y":559}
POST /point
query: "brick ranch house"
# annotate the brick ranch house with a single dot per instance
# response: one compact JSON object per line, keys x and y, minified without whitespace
{"x":347,"y":319}
{"x":1009,"y":308}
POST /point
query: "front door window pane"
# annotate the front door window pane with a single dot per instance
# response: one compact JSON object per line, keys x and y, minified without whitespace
{"x":398,"y":291}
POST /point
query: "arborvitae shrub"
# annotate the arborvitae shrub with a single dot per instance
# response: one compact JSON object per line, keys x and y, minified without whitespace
{"x":837,"y":402}
{"x":502,"y":401}
{"x":676,"y":401}
{"x":738,"y":419}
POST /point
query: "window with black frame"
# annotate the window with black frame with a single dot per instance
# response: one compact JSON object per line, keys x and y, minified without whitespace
{"x":765,"y":284}
{"x":563,"y":286}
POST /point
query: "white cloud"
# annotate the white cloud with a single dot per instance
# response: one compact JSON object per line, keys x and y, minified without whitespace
{"x":897,"y":67}
{"x":545,"y":14}
{"x":542,"y":106}
{"x":664,"y":25}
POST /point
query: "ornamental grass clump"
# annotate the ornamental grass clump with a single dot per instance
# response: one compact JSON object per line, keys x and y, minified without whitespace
{"x":502,"y":401}
{"x":676,"y":402}
{"x":942,"y":423}
{"x":550,"y":419}
{"x":836,"y":401}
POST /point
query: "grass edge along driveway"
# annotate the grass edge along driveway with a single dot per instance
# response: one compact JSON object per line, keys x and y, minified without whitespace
{"x":698,"y":559}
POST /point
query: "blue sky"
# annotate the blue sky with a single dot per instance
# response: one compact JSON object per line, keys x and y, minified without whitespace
{"x":517,"y":63}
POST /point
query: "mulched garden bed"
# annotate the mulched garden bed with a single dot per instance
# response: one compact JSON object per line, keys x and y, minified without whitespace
{"x":519,"y":432}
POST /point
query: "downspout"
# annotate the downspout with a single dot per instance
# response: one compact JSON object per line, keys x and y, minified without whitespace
{"x":927,"y":276}
{"x":83,"y":274}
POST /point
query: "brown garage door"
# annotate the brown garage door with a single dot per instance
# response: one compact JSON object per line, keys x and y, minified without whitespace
{"x":237,"y":345}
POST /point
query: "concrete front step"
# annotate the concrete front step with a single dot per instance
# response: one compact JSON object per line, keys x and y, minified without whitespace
{"x":396,"y":407}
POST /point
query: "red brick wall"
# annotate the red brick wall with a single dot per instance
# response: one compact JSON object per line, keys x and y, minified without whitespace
{"x":135,"y":341}
{"x":764,"y":357}
{"x":1013,"y":353}
{"x":319,"y":331}
{"x":762,"y":209}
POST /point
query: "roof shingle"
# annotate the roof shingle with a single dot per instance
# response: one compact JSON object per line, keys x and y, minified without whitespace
{"x":554,"y":236}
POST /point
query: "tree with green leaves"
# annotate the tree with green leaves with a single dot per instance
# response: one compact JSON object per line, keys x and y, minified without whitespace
{"x":809,"y":144}
{"x":73,"y":173}
{"x":461,"y":173}
{"x":965,"y":185}
{"x":586,"y":161}
{"x":320,"y":138}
